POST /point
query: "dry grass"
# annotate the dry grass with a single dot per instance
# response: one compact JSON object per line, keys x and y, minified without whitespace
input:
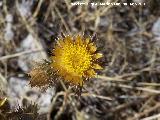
{"x":129,"y":86}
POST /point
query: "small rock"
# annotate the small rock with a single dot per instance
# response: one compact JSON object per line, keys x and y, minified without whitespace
{"x":25,"y":8}
{"x":26,"y":61}
{"x":9,"y":18}
{"x":19,"y":90}
{"x":156,"y":42}
{"x":8,"y":35}
{"x":156,"y":27}
{"x":8,"y":32}
{"x":1,"y":3}
{"x":104,"y":22}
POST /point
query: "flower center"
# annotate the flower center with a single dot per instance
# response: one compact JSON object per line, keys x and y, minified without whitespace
{"x":76,"y":59}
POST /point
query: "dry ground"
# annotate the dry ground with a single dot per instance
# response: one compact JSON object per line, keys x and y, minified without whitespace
{"x":127,"y":88}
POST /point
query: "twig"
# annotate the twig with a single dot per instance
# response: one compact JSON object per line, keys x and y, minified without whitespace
{"x":53,"y":103}
{"x":148,"y":84}
{"x":50,"y":7}
{"x":19,"y":54}
{"x":154,"y":117}
{"x":104,"y":10}
{"x":3,"y":82}
{"x":63,"y":21}
{"x":96,"y":96}
{"x":32,"y":32}
{"x":144,"y":89}
{"x":116,"y":79}
{"x":38,"y":8}
{"x":125,"y":105}
{"x":62,"y":108}
{"x":122,"y":78}
{"x":145,"y":104}
{"x":139,"y":88}
{"x":137,"y":116}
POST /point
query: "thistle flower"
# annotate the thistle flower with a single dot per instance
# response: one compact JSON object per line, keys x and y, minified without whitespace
{"x":75,"y":59}
{"x":39,"y":77}
{"x":42,"y":75}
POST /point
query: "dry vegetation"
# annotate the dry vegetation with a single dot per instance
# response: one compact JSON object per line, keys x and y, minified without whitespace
{"x":127,"y":88}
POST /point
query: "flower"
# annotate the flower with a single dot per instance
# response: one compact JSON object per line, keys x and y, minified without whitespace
{"x":75,"y":59}
{"x":42,"y":75}
{"x":38,"y":77}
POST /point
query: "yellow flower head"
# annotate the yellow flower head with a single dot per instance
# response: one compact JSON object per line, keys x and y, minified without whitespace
{"x":75,"y":59}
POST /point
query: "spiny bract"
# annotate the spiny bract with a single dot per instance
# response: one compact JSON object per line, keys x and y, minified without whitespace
{"x":75,"y":59}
